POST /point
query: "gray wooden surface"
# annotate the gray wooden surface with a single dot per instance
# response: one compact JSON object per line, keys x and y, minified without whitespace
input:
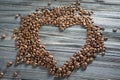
{"x":63,"y":44}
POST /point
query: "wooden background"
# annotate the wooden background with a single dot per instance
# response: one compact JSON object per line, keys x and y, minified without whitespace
{"x":62,"y":44}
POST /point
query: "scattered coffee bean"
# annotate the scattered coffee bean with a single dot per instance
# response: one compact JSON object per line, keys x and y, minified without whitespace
{"x":17,"y":15}
{"x":13,"y":36}
{"x":1,"y":74}
{"x":15,"y":74}
{"x":105,"y":38}
{"x":49,"y":3}
{"x":103,"y":53}
{"x":3,"y":36}
{"x":10,"y":63}
{"x":15,"y":31}
{"x":36,"y":9}
{"x":77,"y":2}
{"x":114,"y":29}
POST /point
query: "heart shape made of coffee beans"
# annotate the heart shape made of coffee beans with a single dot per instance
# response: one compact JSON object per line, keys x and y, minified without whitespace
{"x":32,"y":51}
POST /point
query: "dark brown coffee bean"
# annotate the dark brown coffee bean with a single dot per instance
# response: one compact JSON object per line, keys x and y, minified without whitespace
{"x":114,"y":29}
{"x":1,"y":74}
{"x":105,"y":38}
{"x":103,"y":53}
{"x":49,"y":3}
{"x":10,"y":63}
{"x":68,"y":73}
{"x":15,"y":74}
{"x":17,"y":15}
{"x":84,"y":65}
{"x":3,"y":36}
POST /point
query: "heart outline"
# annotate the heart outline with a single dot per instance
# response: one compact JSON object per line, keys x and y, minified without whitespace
{"x":31,"y":49}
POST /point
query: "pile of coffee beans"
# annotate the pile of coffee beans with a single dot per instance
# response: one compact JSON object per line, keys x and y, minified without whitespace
{"x":32,"y":51}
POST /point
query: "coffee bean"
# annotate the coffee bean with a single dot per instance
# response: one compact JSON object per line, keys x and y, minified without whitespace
{"x":49,"y":3}
{"x":15,"y":74}
{"x":3,"y":36}
{"x":10,"y":63}
{"x":17,"y":15}
{"x":1,"y":74}
{"x":103,"y":53}
{"x":106,"y":38}
{"x":114,"y":29}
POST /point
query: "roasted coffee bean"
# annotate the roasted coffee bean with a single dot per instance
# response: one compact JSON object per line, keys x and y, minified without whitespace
{"x":10,"y":63}
{"x":49,"y":3}
{"x":114,"y":29}
{"x":84,"y":65}
{"x":15,"y":74}
{"x":77,"y":65}
{"x":3,"y":36}
{"x":17,"y":15}
{"x":106,"y":38}
{"x":103,"y":53}
{"x":15,"y":31}
{"x":68,"y":73}
{"x":1,"y":74}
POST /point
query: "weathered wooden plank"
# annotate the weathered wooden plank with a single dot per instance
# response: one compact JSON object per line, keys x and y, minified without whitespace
{"x":63,"y":44}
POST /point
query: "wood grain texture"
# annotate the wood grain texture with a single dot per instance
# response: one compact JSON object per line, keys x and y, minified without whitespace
{"x":62,"y":44}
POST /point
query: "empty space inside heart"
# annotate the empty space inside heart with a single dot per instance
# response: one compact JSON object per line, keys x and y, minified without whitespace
{"x":62,"y":44}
